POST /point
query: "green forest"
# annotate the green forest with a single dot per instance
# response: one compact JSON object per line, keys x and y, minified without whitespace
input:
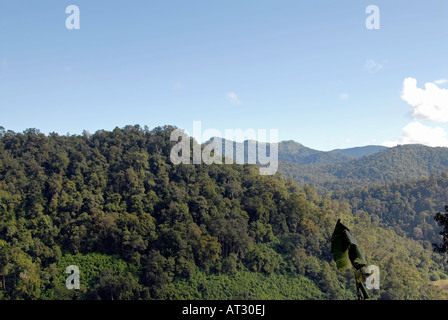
{"x":406,"y":207}
{"x":139,"y":227}
{"x":397,"y":164}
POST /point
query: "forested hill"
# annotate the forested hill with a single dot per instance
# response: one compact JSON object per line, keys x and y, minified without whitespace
{"x":297,"y":153}
{"x":140,"y":227}
{"x":400,"y":163}
{"x":292,"y":151}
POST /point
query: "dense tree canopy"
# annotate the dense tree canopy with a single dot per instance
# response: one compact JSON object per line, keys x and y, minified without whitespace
{"x":407,"y":207}
{"x":139,"y":227}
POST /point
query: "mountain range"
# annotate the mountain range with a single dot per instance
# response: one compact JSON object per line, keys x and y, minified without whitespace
{"x":295,"y":152}
{"x":359,"y":152}
{"x":400,"y":163}
{"x":345,"y":169}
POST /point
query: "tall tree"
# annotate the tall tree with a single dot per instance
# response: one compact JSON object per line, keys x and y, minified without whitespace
{"x":442,"y":220}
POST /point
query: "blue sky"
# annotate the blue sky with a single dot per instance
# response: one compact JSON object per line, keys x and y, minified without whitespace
{"x":310,"y":69}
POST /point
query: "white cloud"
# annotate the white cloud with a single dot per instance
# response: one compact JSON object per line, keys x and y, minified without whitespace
{"x":234,"y":98}
{"x":441,"y":81}
{"x":390,"y":144}
{"x":371,"y":66}
{"x":430,"y":103}
{"x":417,"y":133}
{"x":178,"y":86}
{"x":343,"y":96}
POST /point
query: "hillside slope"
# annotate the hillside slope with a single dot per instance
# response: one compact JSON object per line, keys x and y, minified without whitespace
{"x":407,"y":207}
{"x":140,"y":227}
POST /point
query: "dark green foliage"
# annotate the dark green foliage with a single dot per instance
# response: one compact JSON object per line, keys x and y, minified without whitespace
{"x":442,"y":219}
{"x":347,"y":254}
{"x":408,"y":207}
{"x":140,"y":227}
{"x":345,"y":249}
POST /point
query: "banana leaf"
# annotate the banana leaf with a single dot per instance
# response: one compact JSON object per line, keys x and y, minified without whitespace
{"x":345,"y":249}
{"x":347,"y":254}
{"x":364,"y":291}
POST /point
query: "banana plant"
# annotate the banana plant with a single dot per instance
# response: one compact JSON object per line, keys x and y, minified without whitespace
{"x":347,"y":255}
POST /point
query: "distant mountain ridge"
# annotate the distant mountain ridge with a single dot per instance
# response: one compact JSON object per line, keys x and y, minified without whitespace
{"x":359,"y":152}
{"x":400,"y":163}
{"x":295,"y":152}
{"x":347,"y":169}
